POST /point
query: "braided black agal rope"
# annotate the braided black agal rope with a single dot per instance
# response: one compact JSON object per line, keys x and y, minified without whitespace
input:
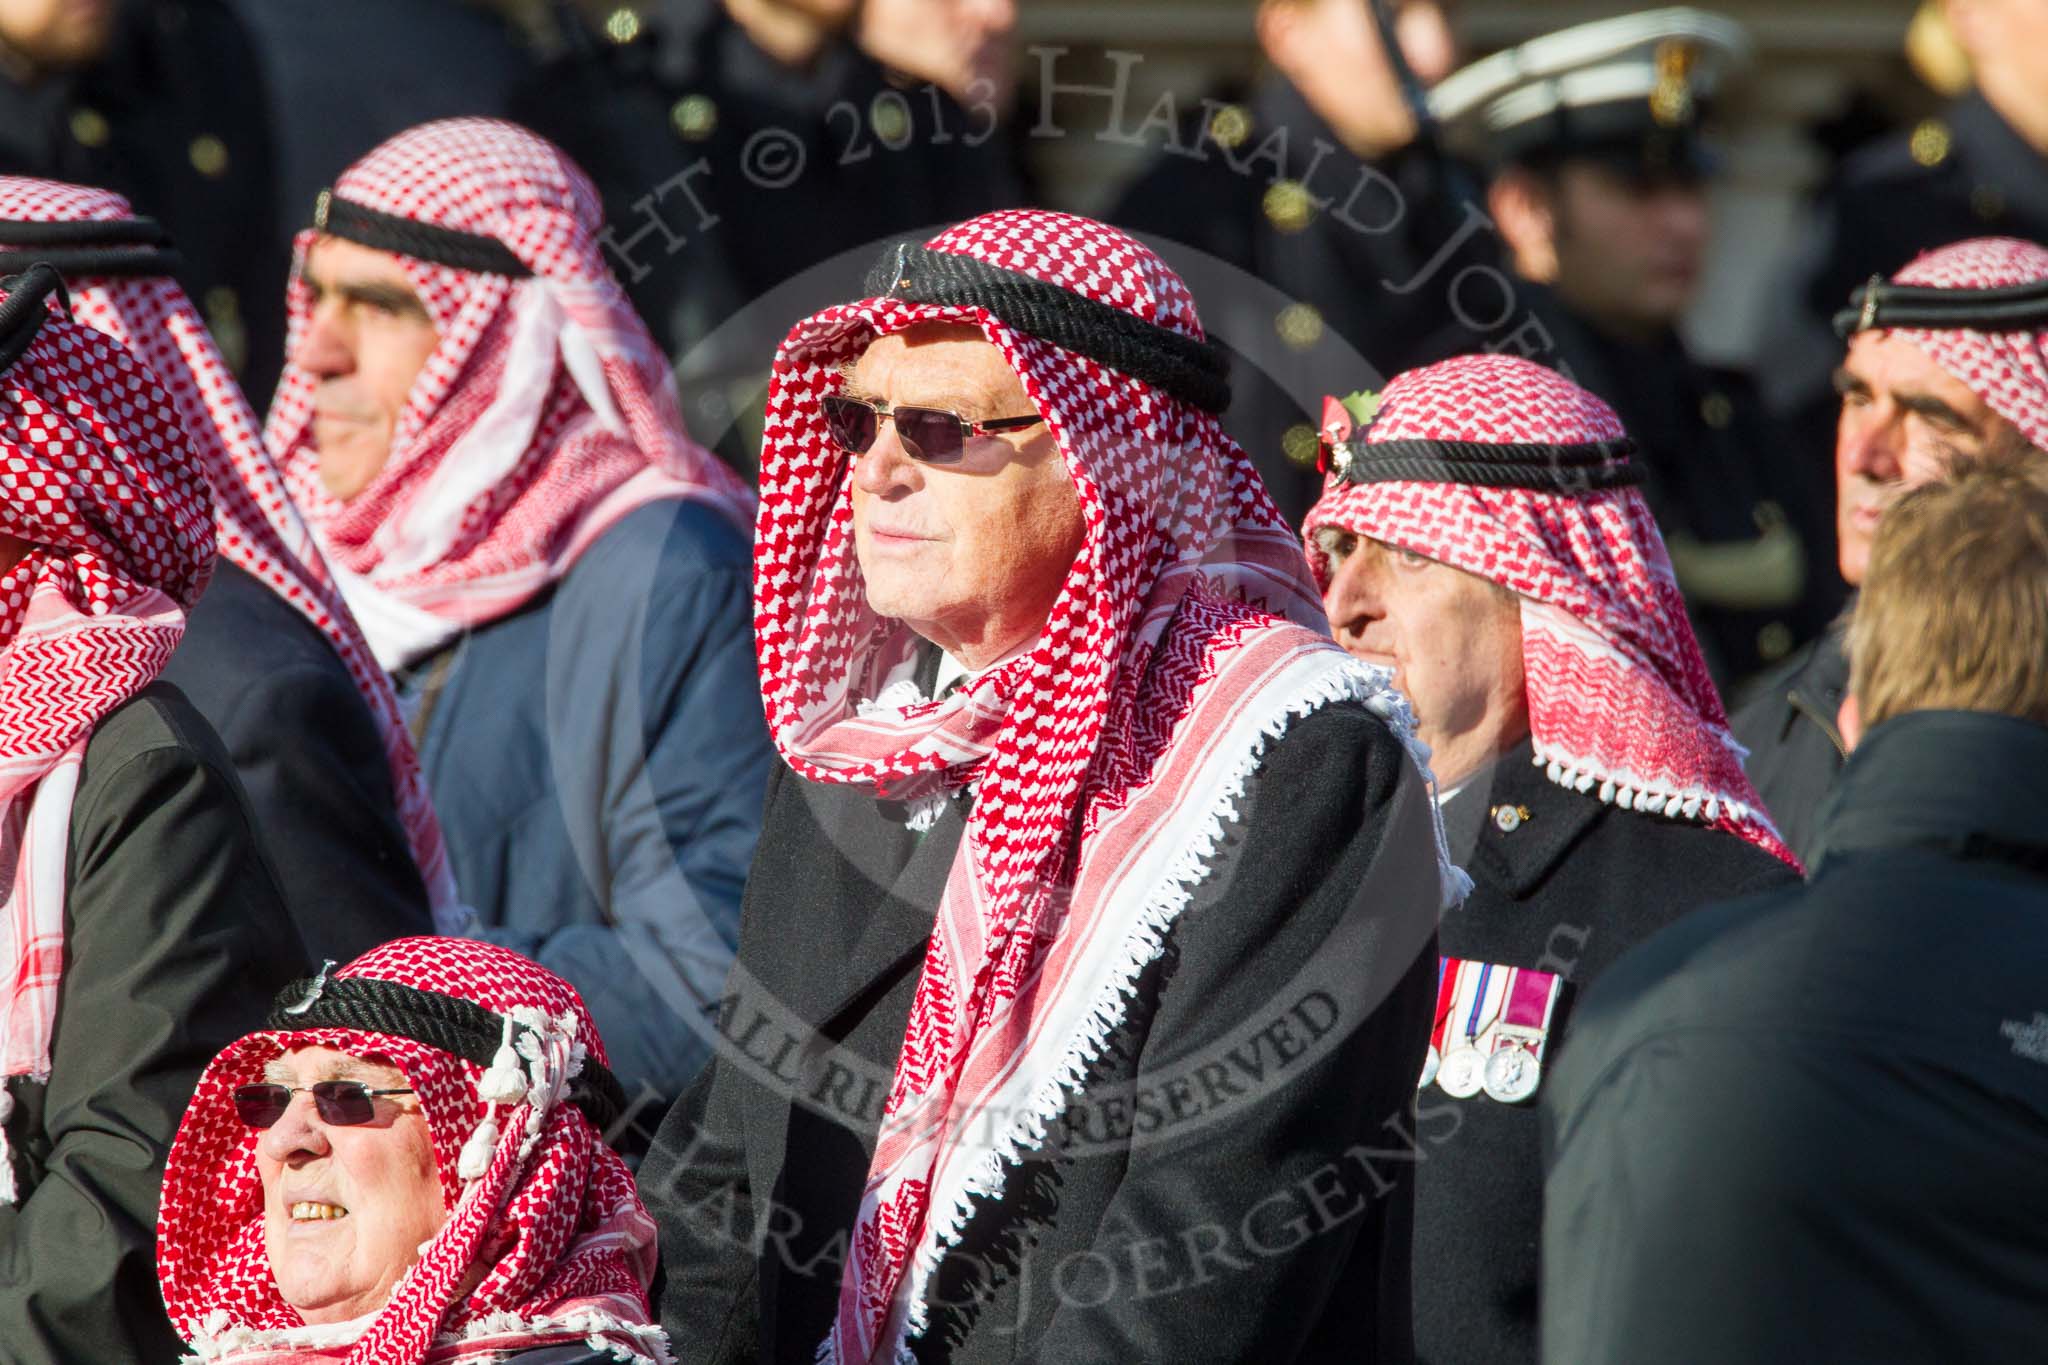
{"x":359,"y":223}
{"x":1565,"y":469}
{"x":26,"y":307}
{"x":121,"y":246}
{"x":446,"y":1022}
{"x":1195,"y":372}
{"x":2006,"y":308}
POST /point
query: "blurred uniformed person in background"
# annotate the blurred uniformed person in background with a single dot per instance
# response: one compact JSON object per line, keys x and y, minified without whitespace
{"x":739,"y":143}
{"x":163,"y":102}
{"x":1599,"y":193}
{"x":1315,"y":219}
{"x":1977,"y":169}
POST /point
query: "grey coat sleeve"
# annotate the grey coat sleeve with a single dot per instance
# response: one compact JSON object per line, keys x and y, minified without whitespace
{"x":1248,"y":1209}
{"x":176,"y":940}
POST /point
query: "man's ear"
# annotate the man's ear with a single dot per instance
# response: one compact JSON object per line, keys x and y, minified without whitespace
{"x":1849,"y":720}
{"x":1524,"y":207}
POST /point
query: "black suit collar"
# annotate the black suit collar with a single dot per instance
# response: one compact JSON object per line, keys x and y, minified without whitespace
{"x":1516,"y":824}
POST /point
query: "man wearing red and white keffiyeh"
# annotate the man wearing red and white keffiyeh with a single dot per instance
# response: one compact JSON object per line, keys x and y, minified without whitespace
{"x":1157,"y":818}
{"x":1481,"y":532}
{"x":489,"y":449}
{"x":271,"y":655}
{"x":1946,"y":363}
{"x":136,"y":911}
{"x":487,"y":1137}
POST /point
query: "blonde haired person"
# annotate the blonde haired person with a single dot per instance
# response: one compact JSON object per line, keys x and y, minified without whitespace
{"x":1807,"y":1123}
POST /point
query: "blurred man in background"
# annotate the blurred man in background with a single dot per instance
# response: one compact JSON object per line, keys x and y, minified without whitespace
{"x":1600,"y":193}
{"x":1321,"y":190}
{"x":164,"y":102}
{"x":739,"y":143}
{"x":1979,"y":168}
{"x":1809,"y":1125}
{"x":1944,"y":365}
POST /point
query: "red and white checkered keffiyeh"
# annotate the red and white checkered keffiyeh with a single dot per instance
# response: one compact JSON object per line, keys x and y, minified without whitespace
{"x":1620,"y":702}
{"x":2008,"y":370}
{"x":1104,"y":759}
{"x":95,"y":476}
{"x":545,"y":414}
{"x":260,"y":529}
{"x":555,"y":1214}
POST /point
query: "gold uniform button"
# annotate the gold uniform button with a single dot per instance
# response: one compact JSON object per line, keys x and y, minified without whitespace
{"x":1230,"y":126}
{"x":1299,"y":444}
{"x":622,"y":25}
{"x":1930,"y":142}
{"x":1288,"y":206}
{"x":1299,"y":325}
{"x":890,"y":120}
{"x":694,"y":117}
{"x":1988,"y":202}
{"x":90,"y":127}
{"x":1716,"y":411}
{"x":1774,"y":642}
{"x":209,"y":156}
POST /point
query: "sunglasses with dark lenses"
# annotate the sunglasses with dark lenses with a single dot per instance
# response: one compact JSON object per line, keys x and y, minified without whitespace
{"x":341,"y":1103}
{"x":932,"y":435}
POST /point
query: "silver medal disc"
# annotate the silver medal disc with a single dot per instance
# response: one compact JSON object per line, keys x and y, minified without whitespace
{"x":1512,"y":1074}
{"x":1430,"y":1062}
{"x":1463,"y":1072}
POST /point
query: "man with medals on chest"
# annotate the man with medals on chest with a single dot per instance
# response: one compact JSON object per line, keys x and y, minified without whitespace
{"x":1482,"y":533}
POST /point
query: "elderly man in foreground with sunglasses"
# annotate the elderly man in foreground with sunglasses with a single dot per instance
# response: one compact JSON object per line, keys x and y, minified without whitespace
{"x":1086,"y":962}
{"x":488,"y":446}
{"x":407,"y":1163}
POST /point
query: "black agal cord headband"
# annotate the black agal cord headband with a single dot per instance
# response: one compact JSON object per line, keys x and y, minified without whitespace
{"x":1543,"y":468}
{"x":25,"y":308}
{"x":365,"y":226}
{"x":1195,"y":372}
{"x":2004,"y":308}
{"x":446,"y":1022}
{"x":122,"y":246}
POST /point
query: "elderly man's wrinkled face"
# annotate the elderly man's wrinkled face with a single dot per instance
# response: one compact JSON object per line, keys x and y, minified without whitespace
{"x":345,"y":1208}
{"x":970,"y":555}
{"x":1453,"y":640}
{"x":365,"y":343}
{"x":1904,"y":422}
{"x":52,"y":35}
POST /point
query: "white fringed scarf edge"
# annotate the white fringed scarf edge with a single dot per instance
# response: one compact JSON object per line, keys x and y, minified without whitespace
{"x":1318,"y":679}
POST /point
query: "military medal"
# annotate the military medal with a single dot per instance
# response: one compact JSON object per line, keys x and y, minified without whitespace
{"x":1447,"y":969}
{"x":1514,"y":1066}
{"x":1463,"y":1073}
{"x":1512,"y":1073}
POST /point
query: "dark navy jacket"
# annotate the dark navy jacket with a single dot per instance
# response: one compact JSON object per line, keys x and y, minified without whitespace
{"x":598,"y":760}
{"x":1811,"y":1125}
{"x":309,"y":755}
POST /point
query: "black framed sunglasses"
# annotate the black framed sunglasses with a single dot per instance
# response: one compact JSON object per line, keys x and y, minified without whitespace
{"x":932,"y":435}
{"x":341,"y":1103}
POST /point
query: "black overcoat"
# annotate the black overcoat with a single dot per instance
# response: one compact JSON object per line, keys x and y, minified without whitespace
{"x":311,"y":760}
{"x":1810,"y":1125}
{"x":1562,"y":883}
{"x":1166,"y":1218}
{"x":175,"y":941}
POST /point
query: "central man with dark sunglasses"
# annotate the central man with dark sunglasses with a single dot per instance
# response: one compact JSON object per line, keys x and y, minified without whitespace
{"x":1078,"y":793}
{"x":933,"y":435}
